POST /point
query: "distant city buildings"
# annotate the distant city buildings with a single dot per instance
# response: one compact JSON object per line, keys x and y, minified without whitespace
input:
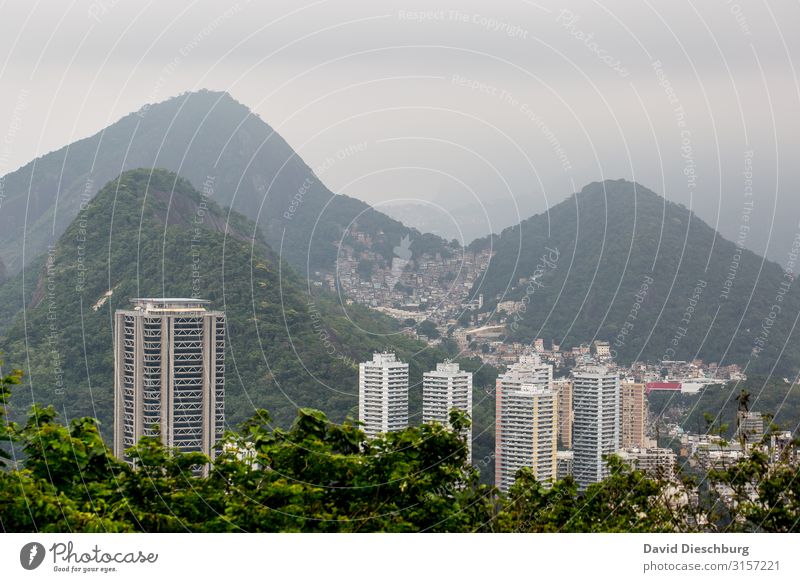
{"x":444,"y":389}
{"x":526,"y":424}
{"x":633,"y":414}
{"x":383,"y":394}
{"x":169,"y":374}
{"x":597,"y":426}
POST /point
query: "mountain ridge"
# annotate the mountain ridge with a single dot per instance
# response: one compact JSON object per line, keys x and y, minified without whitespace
{"x":612,"y":235}
{"x":201,"y":136}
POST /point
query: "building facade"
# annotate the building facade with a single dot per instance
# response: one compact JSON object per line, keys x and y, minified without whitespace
{"x":169,"y":374}
{"x":633,"y":414}
{"x":655,"y":461}
{"x":597,"y":430}
{"x":563,"y":388}
{"x":443,"y":389}
{"x":526,"y":423}
{"x":383,"y":394}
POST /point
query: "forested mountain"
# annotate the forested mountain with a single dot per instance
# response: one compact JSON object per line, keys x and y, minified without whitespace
{"x":617,"y":262}
{"x":217,"y":144}
{"x":151,"y":234}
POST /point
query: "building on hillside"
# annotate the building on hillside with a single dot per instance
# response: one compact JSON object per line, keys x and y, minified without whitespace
{"x":749,"y":427}
{"x":383,"y":394}
{"x":597,"y":427}
{"x":655,"y":461}
{"x":526,"y":423}
{"x":563,"y":388}
{"x":632,"y":414}
{"x":169,"y":374}
{"x":446,"y":388}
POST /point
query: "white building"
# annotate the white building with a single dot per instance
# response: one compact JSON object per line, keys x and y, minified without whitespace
{"x":383,"y":394}
{"x":526,"y":425}
{"x":597,"y":428}
{"x":443,"y":389}
{"x":169,"y":374}
{"x":655,"y":461}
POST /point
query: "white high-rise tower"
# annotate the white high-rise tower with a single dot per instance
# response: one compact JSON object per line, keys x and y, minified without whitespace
{"x":383,"y":394}
{"x":444,"y":389}
{"x":597,"y":425}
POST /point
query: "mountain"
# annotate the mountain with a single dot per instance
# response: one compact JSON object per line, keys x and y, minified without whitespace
{"x":617,"y":262}
{"x":222,"y":148}
{"x":150,"y":233}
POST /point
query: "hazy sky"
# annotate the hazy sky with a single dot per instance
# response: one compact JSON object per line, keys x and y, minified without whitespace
{"x":507,"y":104}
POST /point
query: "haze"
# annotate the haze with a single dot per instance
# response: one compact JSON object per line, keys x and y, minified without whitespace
{"x":457,"y":116}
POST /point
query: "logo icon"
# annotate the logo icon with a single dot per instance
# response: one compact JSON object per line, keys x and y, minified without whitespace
{"x":401,"y":259}
{"x":31,"y":555}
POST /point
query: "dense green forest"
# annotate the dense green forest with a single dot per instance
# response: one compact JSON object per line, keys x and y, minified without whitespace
{"x":151,"y":234}
{"x":617,"y":262}
{"x":320,"y":476}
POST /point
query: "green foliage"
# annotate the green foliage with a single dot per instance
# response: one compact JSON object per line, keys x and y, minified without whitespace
{"x":319,"y":476}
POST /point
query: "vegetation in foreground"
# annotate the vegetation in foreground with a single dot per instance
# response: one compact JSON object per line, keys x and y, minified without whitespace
{"x":324,"y":477}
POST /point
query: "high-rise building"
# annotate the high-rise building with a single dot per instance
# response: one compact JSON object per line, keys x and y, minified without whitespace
{"x":749,"y":427}
{"x":383,"y":394}
{"x":632,"y":414}
{"x":443,"y":389}
{"x":526,"y":424}
{"x":596,"y":432}
{"x":169,"y":374}
{"x":563,"y":388}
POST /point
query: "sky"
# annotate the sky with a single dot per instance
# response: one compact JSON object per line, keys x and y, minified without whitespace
{"x":468,"y":114}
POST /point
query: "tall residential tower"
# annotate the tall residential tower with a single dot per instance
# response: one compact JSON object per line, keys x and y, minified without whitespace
{"x":169,"y":374}
{"x":443,"y":389}
{"x":383,"y":394}
{"x":596,"y":431}
{"x":526,"y":424}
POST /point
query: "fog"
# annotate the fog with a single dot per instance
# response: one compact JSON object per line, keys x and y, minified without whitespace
{"x":482,"y":114}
